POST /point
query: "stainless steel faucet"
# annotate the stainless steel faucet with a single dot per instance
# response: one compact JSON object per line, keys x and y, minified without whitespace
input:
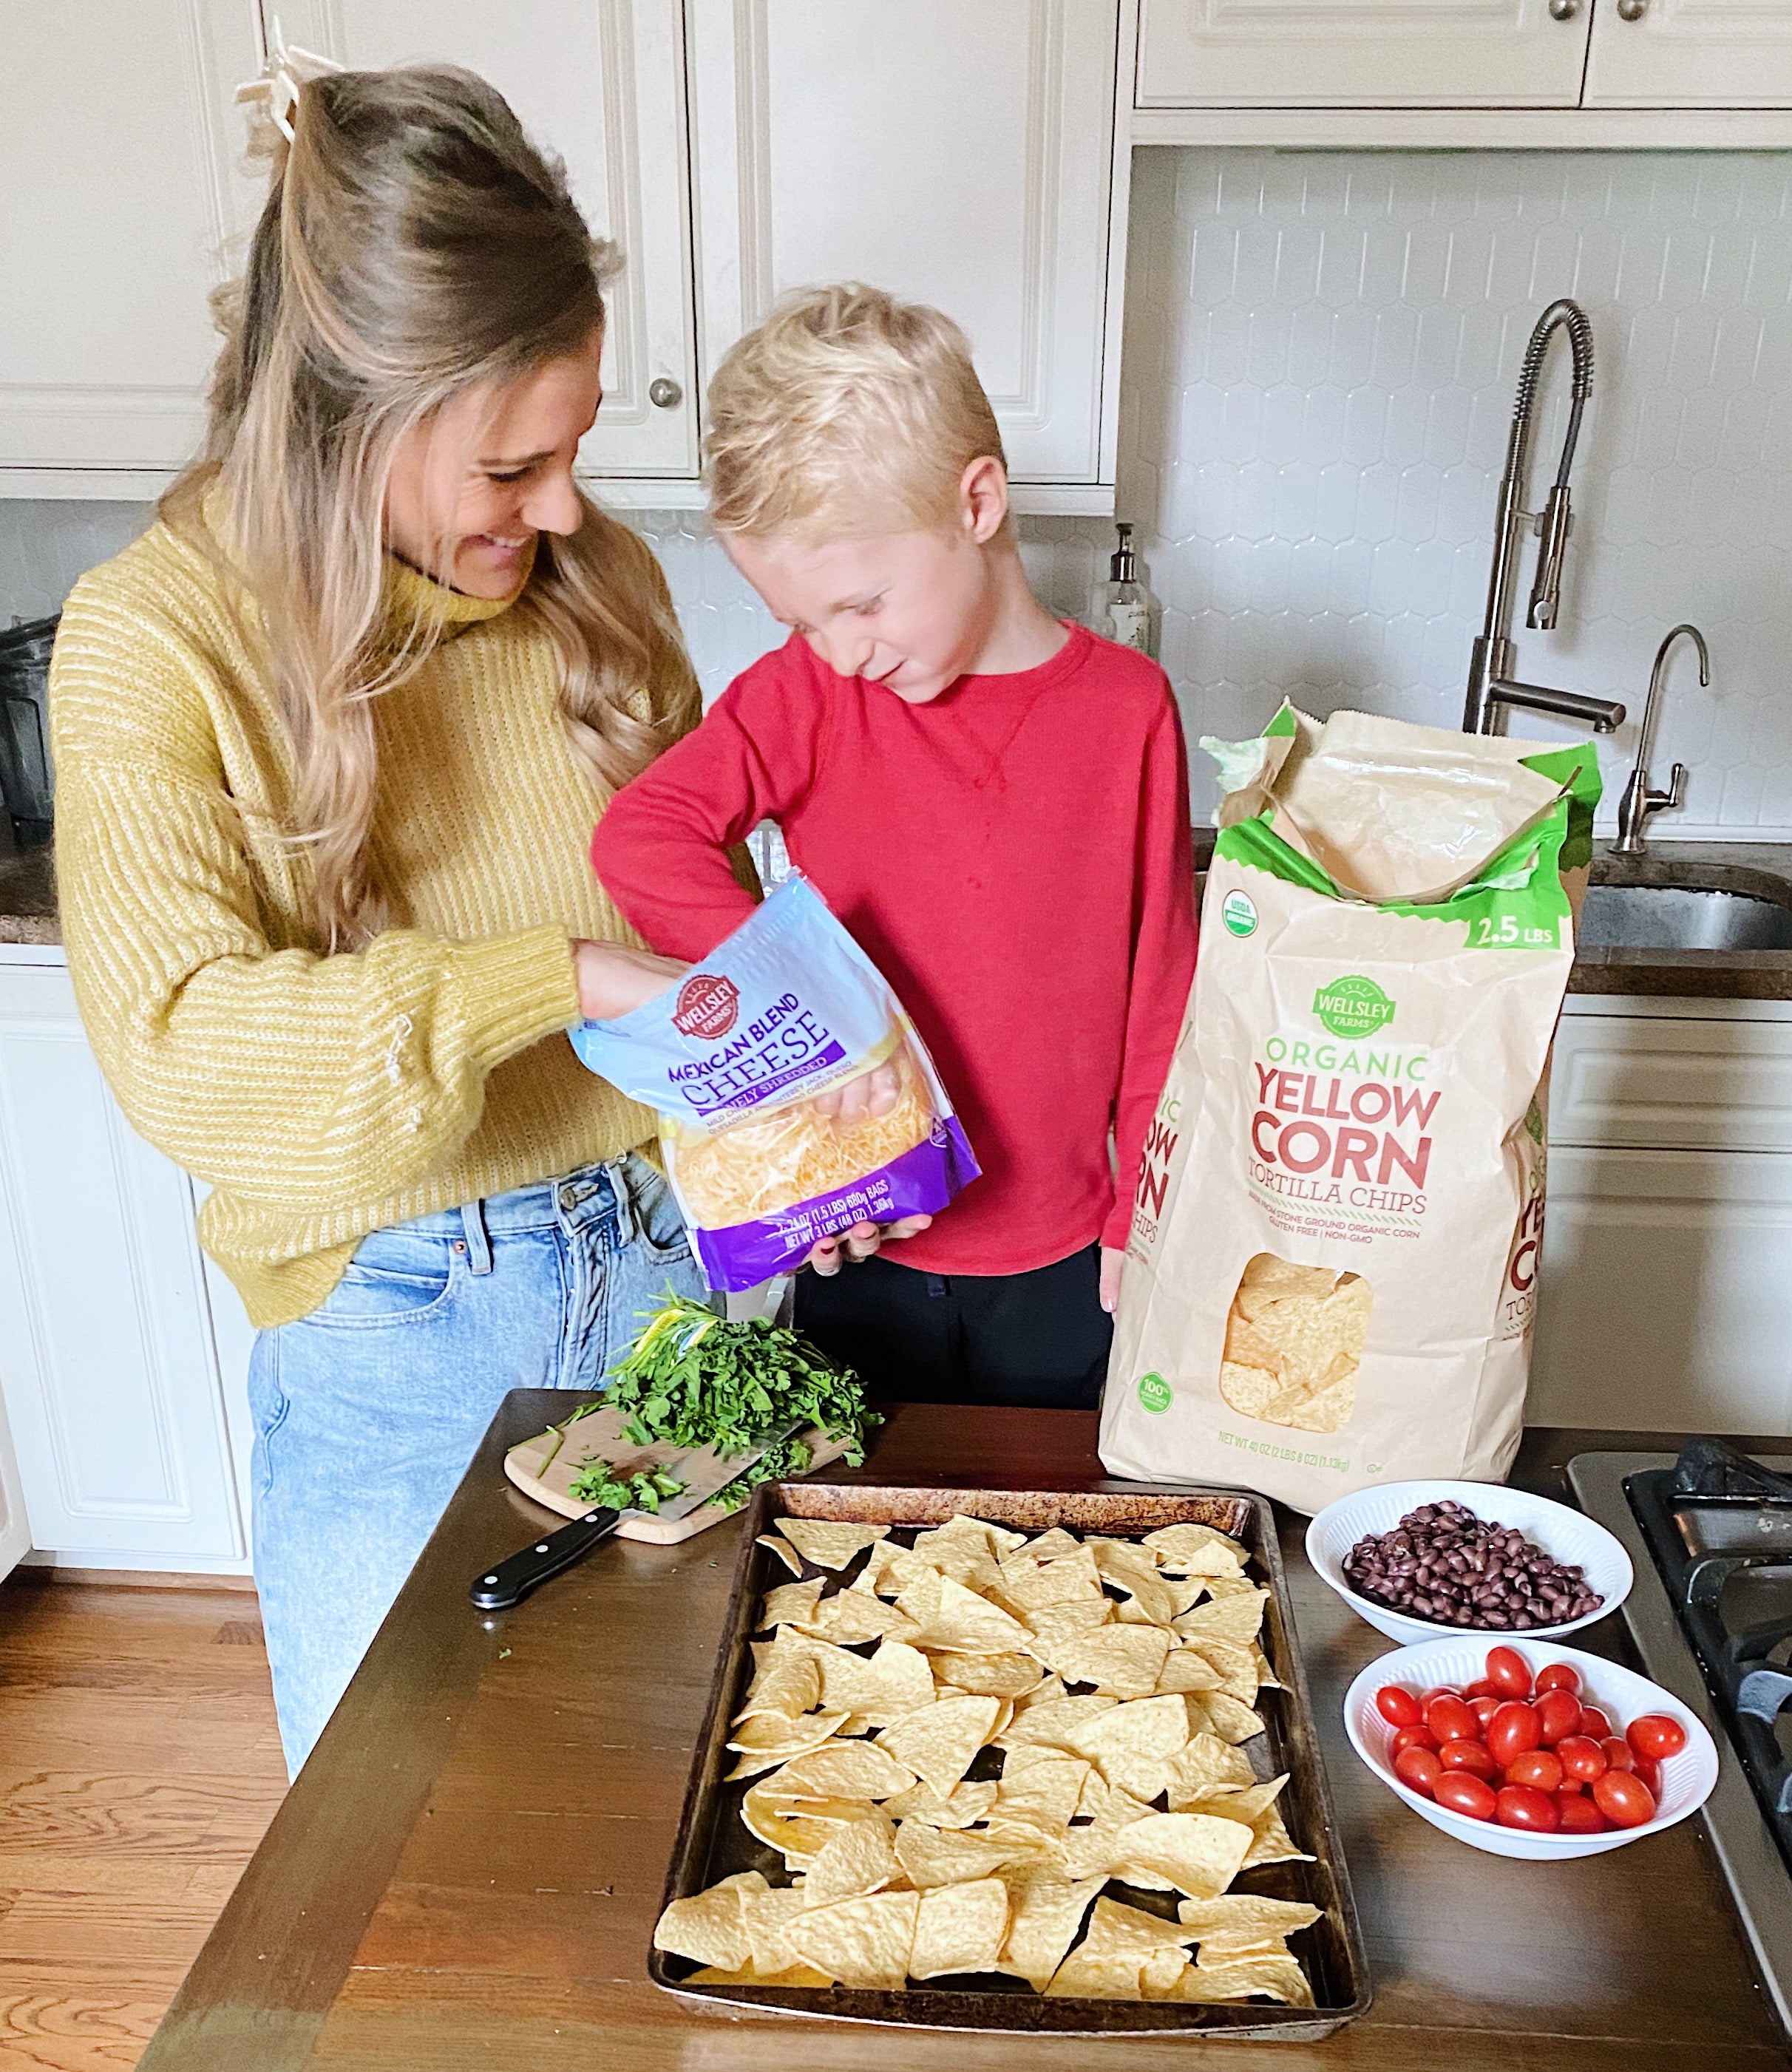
{"x":1638,"y":803}
{"x":1492,"y":685}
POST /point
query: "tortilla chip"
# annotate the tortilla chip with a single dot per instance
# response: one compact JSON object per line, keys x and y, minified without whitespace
{"x":707,"y":1925}
{"x":1273,"y":1977}
{"x":1045,"y":1910}
{"x":837,"y":1771}
{"x":938,"y":1742}
{"x":826,"y":1544}
{"x":1205,"y":1766}
{"x":1045,"y":1792}
{"x":797,"y":1975}
{"x":954,"y":1619}
{"x":943,"y":1855}
{"x":1235,"y":1920}
{"x":1036,"y":1585}
{"x":960,"y":1928}
{"x":1121,"y":1661}
{"x":1195,"y":1853}
{"x":1197,"y":1550}
{"x":846,"y":1618}
{"x":791,"y":1604}
{"x":863,"y":1943}
{"x":1233,"y":1672}
{"x":967,"y":1804}
{"x":992,"y":1675}
{"x":860,"y":1858}
{"x":1057,"y":1720}
{"x":1187,"y":1669}
{"x":1235,"y":1619}
{"x":1232,"y":1721}
{"x":783,"y":1550}
{"x":1267,"y":1679}
{"x":791,"y":1685}
{"x":1272,"y":1843}
{"x":769,"y":1739}
{"x":1115,"y":1926}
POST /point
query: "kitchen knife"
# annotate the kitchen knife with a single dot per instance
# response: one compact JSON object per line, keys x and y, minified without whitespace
{"x":507,"y":1582}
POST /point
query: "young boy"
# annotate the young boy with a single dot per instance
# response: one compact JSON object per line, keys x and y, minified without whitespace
{"x":995,"y":803}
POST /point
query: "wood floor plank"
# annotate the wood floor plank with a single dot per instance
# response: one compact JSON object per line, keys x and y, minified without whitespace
{"x":139,"y":1766}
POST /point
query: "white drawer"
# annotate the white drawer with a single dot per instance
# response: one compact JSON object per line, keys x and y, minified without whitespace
{"x":1659,"y":1084}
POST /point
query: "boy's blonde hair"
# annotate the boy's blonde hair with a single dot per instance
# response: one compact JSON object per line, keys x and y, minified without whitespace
{"x":845,"y":412}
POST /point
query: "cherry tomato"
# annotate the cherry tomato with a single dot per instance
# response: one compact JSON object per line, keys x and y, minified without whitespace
{"x":1559,"y":1676}
{"x":1656,"y":1735}
{"x":1625,"y":1800}
{"x":1398,"y":1706}
{"x":1650,"y":1772}
{"x":1466,"y":1755}
{"x":1449,"y":1719}
{"x":1439,"y":1691}
{"x":1558,"y":1716}
{"x":1509,"y":1672}
{"x":1523,"y":1806}
{"x":1541,"y":1767}
{"x":1594,"y":1723}
{"x":1582,"y":1758}
{"x":1463,"y":1792}
{"x":1578,"y":1813}
{"x":1618,"y":1754}
{"x":1418,"y":1737}
{"x":1513,"y":1729}
{"x":1484,"y":1709}
{"x":1419,"y":1769}
{"x":1481,"y":1688}
{"x":1568,"y":1786}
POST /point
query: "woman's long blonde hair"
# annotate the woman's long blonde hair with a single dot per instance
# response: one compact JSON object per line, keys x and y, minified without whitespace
{"x":415,"y":245}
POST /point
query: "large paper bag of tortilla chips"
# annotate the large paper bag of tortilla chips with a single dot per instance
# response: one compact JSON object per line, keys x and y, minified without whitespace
{"x":1332,"y":1269}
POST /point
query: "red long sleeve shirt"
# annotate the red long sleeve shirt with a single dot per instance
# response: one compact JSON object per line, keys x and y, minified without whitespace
{"x":1015,"y":856}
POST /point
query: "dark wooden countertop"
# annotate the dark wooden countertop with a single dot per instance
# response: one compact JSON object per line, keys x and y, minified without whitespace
{"x":466,"y":1876}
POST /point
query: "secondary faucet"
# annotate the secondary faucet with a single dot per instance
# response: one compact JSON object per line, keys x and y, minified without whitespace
{"x":1492,"y":685}
{"x":1639,"y":802}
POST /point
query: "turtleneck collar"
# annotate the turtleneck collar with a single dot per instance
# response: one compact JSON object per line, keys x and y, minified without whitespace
{"x":410,"y":595}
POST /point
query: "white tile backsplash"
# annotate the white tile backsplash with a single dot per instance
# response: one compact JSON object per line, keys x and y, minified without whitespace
{"x":1321,"y":349}
{"x":1321,"y":353}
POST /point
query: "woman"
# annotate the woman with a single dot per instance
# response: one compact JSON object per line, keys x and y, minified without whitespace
{"x":329,"y":742}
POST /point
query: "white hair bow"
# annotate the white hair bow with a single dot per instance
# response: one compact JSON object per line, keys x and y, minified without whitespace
{"x":285,"y":69}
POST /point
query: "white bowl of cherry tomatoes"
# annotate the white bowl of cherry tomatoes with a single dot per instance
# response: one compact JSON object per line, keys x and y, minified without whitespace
{"x":1527,"y":1748}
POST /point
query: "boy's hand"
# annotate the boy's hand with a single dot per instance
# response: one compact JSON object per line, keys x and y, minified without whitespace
{"x":859,"y":1243}
{"x":1112,"y":1262}
{"x":871,"y":1095}
{"x":614,"y":978}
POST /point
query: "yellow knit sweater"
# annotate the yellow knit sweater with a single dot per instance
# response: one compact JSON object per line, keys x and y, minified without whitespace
{"x":323,"y":1096}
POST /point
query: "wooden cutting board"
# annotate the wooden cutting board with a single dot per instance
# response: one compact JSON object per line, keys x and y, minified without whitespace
{"x":542,"y":1467}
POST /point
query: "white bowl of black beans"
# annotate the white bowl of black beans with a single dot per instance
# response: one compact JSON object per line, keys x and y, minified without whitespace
{"x":1423,"y":1558}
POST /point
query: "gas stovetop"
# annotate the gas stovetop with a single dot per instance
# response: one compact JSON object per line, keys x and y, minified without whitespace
{"x":1710,"y":1536}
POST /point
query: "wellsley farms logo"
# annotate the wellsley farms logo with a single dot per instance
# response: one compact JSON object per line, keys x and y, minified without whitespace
{"x":707,"y":1006}
{"x":1353,"y":1007}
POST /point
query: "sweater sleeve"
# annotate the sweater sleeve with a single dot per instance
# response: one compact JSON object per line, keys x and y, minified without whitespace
{"x":661,"y":850}
{"x":293,"y":1078}
{"x":1163,"y":952}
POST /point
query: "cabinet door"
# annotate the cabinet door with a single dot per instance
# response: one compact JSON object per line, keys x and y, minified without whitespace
{"x":15,"y":1528}
{"x":961,"y":156}
{"x":1360,"y":53}
{"x":601,"y":82}
{"x":124,"y":206}
{"x":1656,"y":1082}
{"x":1692,"y":53}
{"x":107,"y":1363}
{"x":1666,"y":1300}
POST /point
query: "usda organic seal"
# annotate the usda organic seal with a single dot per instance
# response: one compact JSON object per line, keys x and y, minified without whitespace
{"x":1238,"y":911}
{"x":1154,"y":1393}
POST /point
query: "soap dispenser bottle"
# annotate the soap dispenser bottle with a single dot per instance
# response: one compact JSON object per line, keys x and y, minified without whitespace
{"x":1123,"y":604}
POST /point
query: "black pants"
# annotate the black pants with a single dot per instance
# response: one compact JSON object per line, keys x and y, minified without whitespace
{"x":1033,"y":1341}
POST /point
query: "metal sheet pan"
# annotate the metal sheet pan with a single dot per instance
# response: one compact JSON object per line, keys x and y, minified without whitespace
{"x":713,"y":1843}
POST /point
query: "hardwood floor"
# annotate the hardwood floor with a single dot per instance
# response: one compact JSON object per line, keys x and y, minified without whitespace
{"x":139,"y":1765}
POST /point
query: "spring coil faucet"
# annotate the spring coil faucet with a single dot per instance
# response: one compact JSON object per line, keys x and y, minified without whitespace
{"x":1492,"y":685}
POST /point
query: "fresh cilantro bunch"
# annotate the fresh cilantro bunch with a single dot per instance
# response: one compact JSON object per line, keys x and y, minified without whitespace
{"x":692,"y":1379}
{"x":597,"y":1482}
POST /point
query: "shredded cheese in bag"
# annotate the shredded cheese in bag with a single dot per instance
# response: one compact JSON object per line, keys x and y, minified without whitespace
{"x":746,"y":1062}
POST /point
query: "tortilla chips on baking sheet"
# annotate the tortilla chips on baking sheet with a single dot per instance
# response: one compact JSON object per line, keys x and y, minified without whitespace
{"x":1071,"y":1717}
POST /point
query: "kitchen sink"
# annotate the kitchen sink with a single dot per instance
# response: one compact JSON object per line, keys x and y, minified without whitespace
{"x":1681,"y":917}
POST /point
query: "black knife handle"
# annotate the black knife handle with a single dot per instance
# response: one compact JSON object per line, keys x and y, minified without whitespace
{"x":511,"y":1580}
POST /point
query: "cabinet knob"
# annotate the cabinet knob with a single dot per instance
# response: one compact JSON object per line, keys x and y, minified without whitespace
{"x":1632,"y":10}
{"x":1564,"y":10}
{"x":665,"y":394}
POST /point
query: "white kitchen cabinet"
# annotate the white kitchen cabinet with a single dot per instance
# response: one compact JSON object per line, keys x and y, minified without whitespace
{"x":124,"y":206}
{"x":15,"y":1526}
{"x":961,"y":156}
{"x":1691,"y":54}
{"x":109,"y":1365}
{"x":601,"y":82}
{"x":1360,"y":53}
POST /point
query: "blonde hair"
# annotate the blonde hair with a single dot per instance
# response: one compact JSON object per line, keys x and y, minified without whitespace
{"x":846,"y":411}
{"x":415,"y":245}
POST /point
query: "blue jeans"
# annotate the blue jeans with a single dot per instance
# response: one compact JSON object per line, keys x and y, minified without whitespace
{"x":368,"y":1411}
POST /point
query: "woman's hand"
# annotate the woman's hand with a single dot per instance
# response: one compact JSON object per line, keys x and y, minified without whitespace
{"x":865,"y":1098}
{"x":859,"y":1243}
{"x":614,"y":978}
{"x":1112,"y":1262}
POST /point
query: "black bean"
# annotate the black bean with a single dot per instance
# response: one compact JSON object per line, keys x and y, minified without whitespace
{"x":1443,"y":1563}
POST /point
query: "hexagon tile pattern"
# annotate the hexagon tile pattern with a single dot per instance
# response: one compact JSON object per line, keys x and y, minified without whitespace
{"x":1321,"y":353}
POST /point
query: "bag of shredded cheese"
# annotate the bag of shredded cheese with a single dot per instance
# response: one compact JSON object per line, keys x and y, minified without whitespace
{"x":1331,"y":1273}
{"x":743,"y":1061}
